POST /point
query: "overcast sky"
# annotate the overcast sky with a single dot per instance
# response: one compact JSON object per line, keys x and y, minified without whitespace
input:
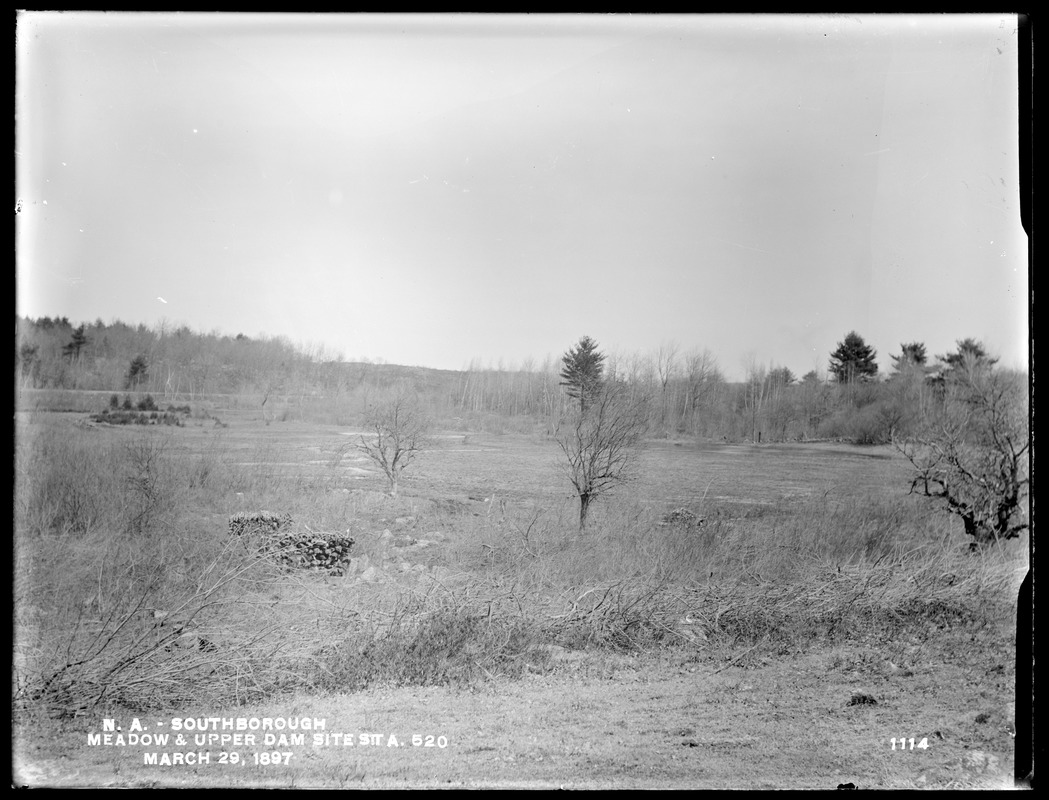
{"x":433,"y":189}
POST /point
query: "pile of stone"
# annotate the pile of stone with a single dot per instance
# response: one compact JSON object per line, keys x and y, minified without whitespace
{"x":258,"y":522}
{"x":311,"y":550}
{"x":681,"y":517}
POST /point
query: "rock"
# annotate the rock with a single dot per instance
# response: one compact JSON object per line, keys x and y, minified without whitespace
{"x":371,"y":575}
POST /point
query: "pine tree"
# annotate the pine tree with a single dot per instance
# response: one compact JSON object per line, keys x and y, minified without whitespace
{"x":969,"y":360}
{"x":970,"y":353}
{"x":76,"y":344}
{"x":583,"y":368}
{"x":911,"y":355}
{"x":137,"y":373}
{"x":853,"y":360}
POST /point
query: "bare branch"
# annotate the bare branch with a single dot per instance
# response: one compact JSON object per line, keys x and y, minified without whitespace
{"x":974,"y":459}
{"x":600,"y":443}
{"x":398,"y":432}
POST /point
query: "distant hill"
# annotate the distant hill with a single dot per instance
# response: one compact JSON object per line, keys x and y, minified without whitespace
{"x":423,"y":379}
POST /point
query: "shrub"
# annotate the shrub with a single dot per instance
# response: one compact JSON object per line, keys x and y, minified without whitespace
{"x":975,"y":458}
{"x":135,"y":625}
{"x":147,"y":414}
{"x":109,"y":612}
{"x":442,"y":646}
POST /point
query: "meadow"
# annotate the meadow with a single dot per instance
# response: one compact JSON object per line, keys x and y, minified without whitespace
{"x":740,"y":616}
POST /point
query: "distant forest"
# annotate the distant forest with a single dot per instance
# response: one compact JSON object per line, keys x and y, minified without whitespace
{"x":687,"y":393}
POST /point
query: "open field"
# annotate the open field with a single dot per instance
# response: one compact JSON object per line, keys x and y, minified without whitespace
{"x":743,"y":652}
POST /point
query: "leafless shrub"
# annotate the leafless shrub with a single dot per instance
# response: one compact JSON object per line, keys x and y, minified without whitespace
{"x":975,"y":456}
{"x":433,"y":637}
{"x":148,"y":483}
{"x":120,"y":630}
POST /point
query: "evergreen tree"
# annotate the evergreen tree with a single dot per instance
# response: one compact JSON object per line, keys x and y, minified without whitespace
{"x":137,"y":372}
{"x":970,"y":353}
{"x":76,"y":344}
{"x":912,"y":354}
{"x":964,"y":364}
{"x":853,"y":360}
{"x":583,"y":367}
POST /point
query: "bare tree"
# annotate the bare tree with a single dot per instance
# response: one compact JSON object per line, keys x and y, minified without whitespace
{"x":701,"y":376}
{"x":781,"y":406}
{"x":666,"y":366}
{"x":754,"y":395}
{"x":600,"y":443}
{"x":814,"y":402}
{"x":270,"y":383}
{"x":975,"y":456}
{"x":398,"y":430}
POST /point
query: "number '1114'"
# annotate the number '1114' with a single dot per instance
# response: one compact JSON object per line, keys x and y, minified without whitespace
{"x":922,"y":745}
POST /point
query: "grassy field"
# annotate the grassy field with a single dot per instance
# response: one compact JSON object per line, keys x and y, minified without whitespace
{"x":816,"y":617}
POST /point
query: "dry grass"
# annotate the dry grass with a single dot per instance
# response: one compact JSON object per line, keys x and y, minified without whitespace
{"x":800,"y":549}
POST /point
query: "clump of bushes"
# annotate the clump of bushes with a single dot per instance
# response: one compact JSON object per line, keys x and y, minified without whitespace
{"x":144,"y":412}
{"x":125,"y":417}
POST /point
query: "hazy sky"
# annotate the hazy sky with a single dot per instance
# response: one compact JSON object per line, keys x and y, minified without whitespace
{"x":433,"y":189}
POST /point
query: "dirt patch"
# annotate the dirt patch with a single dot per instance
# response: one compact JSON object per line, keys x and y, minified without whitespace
{"x":601,"y":721}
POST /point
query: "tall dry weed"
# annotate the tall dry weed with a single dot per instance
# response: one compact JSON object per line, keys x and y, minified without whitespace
{"x":811,"y":570}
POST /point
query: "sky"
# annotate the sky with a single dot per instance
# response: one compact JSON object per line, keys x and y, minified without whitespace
{"x":436,"y":190}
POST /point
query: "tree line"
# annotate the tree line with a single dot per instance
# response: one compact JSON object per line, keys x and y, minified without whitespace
{"x":168,"y":360}
{"x":685,"y":392}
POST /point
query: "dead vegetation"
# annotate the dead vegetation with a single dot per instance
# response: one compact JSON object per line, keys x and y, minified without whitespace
{"x":130,"y":593}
